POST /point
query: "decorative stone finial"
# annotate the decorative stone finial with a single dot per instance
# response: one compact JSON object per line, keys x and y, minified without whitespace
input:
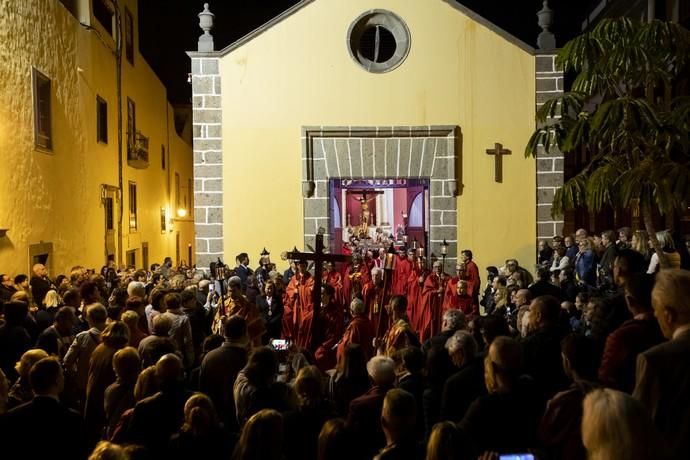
{"x":206,"y":24}
{"x":546,"y":39}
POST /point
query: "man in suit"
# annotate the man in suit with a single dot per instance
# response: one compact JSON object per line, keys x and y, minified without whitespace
{"x":220,"y":367}
{"x":40,"y":284}
{"x":365,"y":412}
{"x":466,"y":385}
{"x":44,"y":427}
{"x":663,"y":371}
{"x":242,"y":270}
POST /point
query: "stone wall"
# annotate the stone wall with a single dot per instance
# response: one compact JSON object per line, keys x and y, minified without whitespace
{"x":208,"y":160}
{"x":426,"y":152}
{"x":549,"y":166}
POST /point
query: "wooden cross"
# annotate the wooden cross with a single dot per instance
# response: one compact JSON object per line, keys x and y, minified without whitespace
{"x":318,"y":257}
{"x":498,"y":151}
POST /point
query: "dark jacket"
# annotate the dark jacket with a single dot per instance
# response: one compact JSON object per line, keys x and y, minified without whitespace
{"x":39,"y":288}
{"x":504,"y":422}
{"x":43,"y":428}
{"x":543,"y":362}
{"x":272,"y":316}
{"x":663,"y":386}
{"x":437,"y":341}
{"x":14,"y":341}
{"x":543,"y":287}
{"x":217,"y":376}
{"x":414,"y":384}
{"x":461,"y":389}
{"x":364,"y":419}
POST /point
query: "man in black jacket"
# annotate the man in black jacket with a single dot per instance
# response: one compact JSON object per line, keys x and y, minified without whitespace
{"x":44,"y":427}
{"x":220,"y":367}
{"x":466,"y":385}
{"x":40,"y":284}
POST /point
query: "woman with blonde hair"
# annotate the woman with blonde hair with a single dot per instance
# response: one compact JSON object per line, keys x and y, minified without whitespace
{"x":21,"y":392}
{"x":640,"y":243}
{"x":615,"y":426}
{"x":262,"y":437}
{"x":108,"y":451}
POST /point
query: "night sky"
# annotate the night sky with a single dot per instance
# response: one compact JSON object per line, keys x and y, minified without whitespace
{"x":168,"y":28}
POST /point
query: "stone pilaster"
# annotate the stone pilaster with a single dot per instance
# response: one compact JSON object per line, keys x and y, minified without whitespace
{"x":208,"y":160}
{"x":549,"y":84}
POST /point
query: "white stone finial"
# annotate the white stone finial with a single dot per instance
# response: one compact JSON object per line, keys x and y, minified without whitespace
{"x":206,"y":24}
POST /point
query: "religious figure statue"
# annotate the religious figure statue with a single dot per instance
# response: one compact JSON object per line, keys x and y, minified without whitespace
{"x":365,"y":217}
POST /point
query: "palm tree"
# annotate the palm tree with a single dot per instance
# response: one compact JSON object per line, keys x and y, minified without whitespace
{"x":622,"y":111}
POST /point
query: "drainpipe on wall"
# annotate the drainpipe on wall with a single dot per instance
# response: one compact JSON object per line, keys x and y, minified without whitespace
{"x":118,"y":79}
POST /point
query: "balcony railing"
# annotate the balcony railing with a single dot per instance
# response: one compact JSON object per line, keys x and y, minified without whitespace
{"x":138,"y":150}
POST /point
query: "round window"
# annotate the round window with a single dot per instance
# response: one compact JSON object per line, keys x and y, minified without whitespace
{"x":379,"y":41}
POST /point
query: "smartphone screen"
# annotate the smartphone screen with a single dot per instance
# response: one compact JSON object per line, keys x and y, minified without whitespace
{"x":279,"y":344}
{"x":516,"y":457}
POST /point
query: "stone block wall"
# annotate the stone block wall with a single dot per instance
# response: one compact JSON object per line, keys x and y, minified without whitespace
{"x":208,"y":160}
{"x":549,"y":83}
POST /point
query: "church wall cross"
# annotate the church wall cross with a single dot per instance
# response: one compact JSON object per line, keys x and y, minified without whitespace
{"x":498,"y":151}
{"x":318,"y":257}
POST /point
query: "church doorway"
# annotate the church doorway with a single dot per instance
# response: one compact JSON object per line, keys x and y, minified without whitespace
{"x":369,"y":212}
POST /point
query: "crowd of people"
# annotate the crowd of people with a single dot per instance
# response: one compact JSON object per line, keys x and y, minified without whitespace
{"x":393,"y":359}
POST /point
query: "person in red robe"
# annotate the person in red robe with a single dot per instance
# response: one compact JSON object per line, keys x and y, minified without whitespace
{"x":376,"y":296}
{"x":415,"y":282}
{"x":359,"y":331}
{"x":299,"y":301}
{"x":237,"y":305}
{"x":450,"y":297}
{"x":463,"y":300}
{"x":432,"y":303}
{"x":335,"y":279}
{"x":474,"y":284}
{"x":400,"y":334}
{"x":403,"y":267}
{"x":322,"y":336}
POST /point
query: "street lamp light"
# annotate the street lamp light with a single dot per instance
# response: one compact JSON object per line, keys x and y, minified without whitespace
{"x":444,"y":252}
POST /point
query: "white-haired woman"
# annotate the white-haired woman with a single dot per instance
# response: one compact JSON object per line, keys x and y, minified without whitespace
{"x":672,"y":256}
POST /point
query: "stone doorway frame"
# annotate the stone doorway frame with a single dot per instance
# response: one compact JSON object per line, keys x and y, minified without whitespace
{"x":390,"y":152}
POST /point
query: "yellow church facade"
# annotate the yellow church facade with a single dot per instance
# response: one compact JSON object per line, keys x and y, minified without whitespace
{"x":77,"y":186}
{"x":335,"y":98}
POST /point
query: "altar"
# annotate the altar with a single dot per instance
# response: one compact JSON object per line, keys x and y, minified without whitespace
{"x":373,"y":213}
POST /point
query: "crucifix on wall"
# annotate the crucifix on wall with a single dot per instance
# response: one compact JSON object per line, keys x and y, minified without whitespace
{"x":498,"y":151}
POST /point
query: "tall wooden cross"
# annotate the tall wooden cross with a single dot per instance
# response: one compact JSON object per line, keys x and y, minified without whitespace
{"x":318,"y":257}
{"x":498,"y":151}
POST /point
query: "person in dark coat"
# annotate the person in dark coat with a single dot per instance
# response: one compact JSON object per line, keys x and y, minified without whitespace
{"x":398,"y":420}
{"x":663,"y":371}
{"x":453,"y":320}
{"x":411,"y":379}
{"x":364,"y":414}
{"x":543,"y":285}
{"x":40,"y":283}
{"x":14,"y":339}
{"x":44,"y":427}
{"x":505,"y":420}
{"x":156,"y":418}
{"x":467,"y":384}
{"x":541,"y":348}
{"x":220,"y":367}
{"x":270,"y":305}
{"x":559,"y":430}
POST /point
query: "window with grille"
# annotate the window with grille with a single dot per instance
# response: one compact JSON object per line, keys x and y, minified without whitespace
{"x":101,"y":120}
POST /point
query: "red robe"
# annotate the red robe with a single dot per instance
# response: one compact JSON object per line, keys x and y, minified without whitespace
{"x":354,"y":281}
{"x":432,"y":307}
{"x":474,"y":284}
{"x":414,"y":297}
{"x":358,"y":331}
{"x":403,"y":268}
{"x":400,"y":335}
{"x":450,"y":297}
{"x":300,"y":302}
{"x":323,"y":338}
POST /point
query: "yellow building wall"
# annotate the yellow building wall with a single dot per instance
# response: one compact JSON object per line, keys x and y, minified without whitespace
{"x":55,"y":197}
{"x":299,"y":73}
